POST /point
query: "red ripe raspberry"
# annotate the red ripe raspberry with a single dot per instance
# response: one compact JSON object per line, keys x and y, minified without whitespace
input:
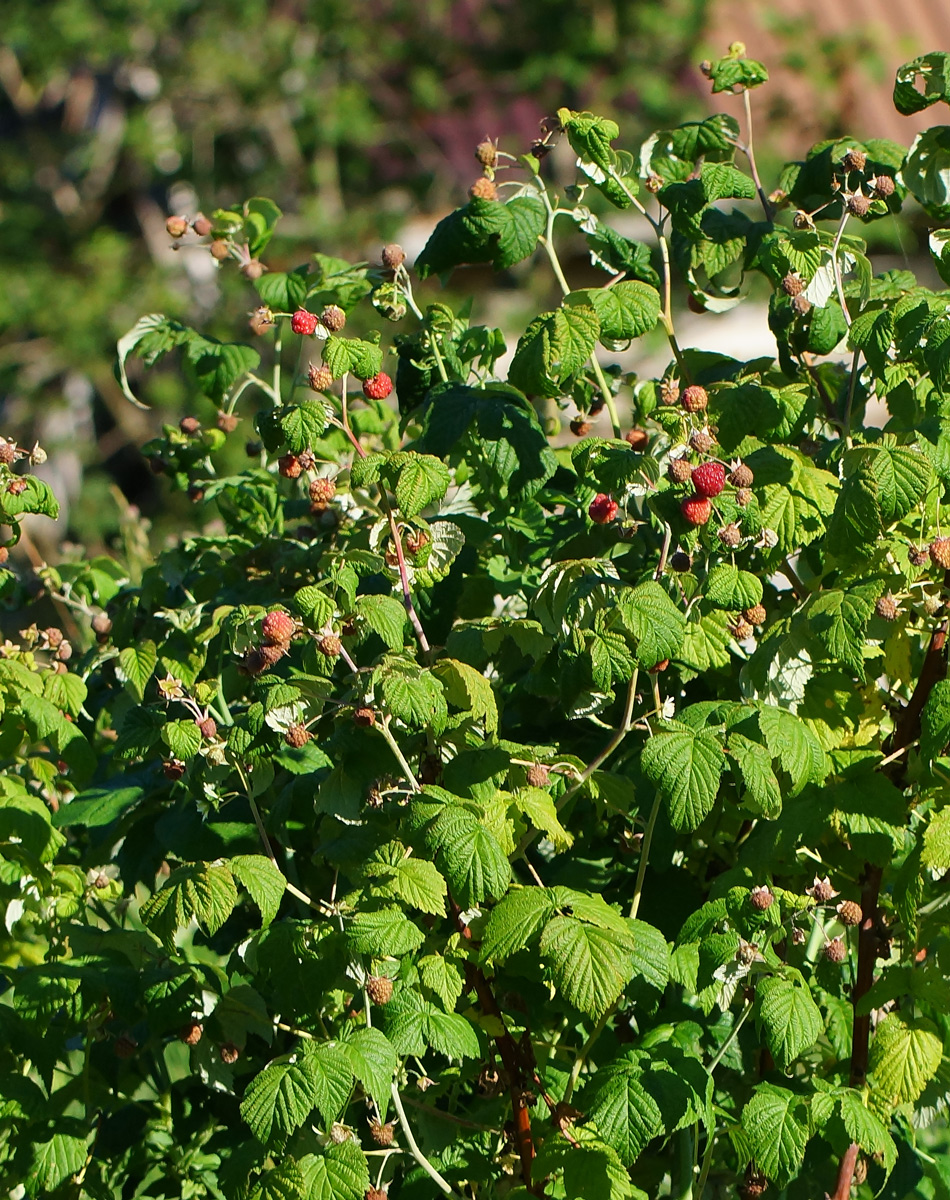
{"x":176,"y":227}
{"x":297,"y":736}
{"x":379,"y":988}
{"x":333,"y":318}
{"x":638,"y":439}
{"x":603,"y":509}
{"x":277,"y":628}
{"x":191,"y":1033}
{"x":208,"y":729}
{"x":320,"y":378}
{"x":364,"y":717}
{"x":393,"y":256}
{"x":483,"y":189}
{"x":709,"y":479}
{"x":696,"y":509}
{"x":289,"y":466}
{"x":377,"y":388}
{"x":304,"y":322}
{"x":694,"y":398}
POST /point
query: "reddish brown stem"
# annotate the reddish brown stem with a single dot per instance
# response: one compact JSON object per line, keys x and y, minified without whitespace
{"x":906,"y":732}
{"x":849,"y":1161}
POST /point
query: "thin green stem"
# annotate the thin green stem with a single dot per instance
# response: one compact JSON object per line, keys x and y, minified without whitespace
{"x":733,"y":1034}
{"x":265,"y":842}
{"x":706,"y":1164}
{"x":836,"y":265}
{"x":619,"y":734}
{"x":387,"y":733}
{"x":581,"y":1059}
{"x":417,"y":1154}
{"x":644,"y":856}
{"x":548,"y":242}
{"x":750,"y":155}
{"x":278,"y":346}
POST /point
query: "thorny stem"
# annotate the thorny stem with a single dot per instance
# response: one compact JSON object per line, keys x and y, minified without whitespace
{"x":849,"y":1161}
{"x":661,"y":565}
{"x":666,"y":316}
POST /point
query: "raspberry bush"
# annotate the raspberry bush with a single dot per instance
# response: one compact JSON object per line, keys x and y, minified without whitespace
{"x":461,"y":810}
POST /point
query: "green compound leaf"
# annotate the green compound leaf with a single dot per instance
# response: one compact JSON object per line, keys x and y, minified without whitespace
{"x":52,"y":1162}
{"x":338,"y":1173}
{"x":554,"y":347}
{"x":934,"y":72}
{"x":625,"y":311}
{"x":183,"y":738}
{"x":621,"y":1108}
{"x":936,"y":849}
{"x":279,"y":1100}
{"x":417,"y":480}
{"x":728,"y":587}
{"x":516,"y":921}
{"x":838,"y":619}
{"x":790,"y":1018}
{"x":136,"y":665}
{"x":471,"y":858}
{"x":303,"y":424}
{"x":776,"y":1123}
{"x":204,"y":892}
{"x":864,"y":1126}
{"x":331,"y":1077}
{"x":469,"y":690}
{"x":385,"y":616}
{"x":793,"y":744}
{"x":755,"y":769}
{"x":653,"y":620}
{"x":413,"y":694}
{"x":484,"y":231}
{"x":387,"y":931}
{"x":443,"y":977}
{"x":219,"y":365}
{"x":589,"y":966}
{"x":905,"y":1054}
{"x":283,"y":1182}
{"x":353,"y":356}
{"x":935,"y":721}
{"x":374,"y":1062}
{"x":414,"y":881}
{"x":263,"y":880}
{"x":686,"y":766}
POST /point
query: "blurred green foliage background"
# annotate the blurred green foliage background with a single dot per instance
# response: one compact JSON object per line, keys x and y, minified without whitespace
{"x":359,"y":117}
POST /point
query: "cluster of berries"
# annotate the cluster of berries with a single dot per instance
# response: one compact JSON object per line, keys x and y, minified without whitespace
{"x":277,"y":630}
